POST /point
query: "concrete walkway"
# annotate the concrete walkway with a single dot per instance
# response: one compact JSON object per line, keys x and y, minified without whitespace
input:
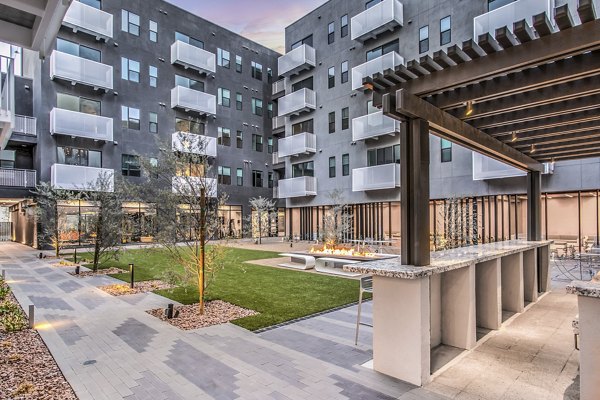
{"x":110,"y":348}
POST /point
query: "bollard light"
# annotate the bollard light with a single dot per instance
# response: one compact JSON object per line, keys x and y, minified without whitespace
{"x":31,"y":316}
{"x":169,"y":310}
{"x":3,"y":274}
{"x":131,"y":269}
{"x":77,"y":270}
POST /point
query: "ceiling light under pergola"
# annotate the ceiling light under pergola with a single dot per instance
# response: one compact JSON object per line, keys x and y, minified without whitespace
{"x":469,"y":109}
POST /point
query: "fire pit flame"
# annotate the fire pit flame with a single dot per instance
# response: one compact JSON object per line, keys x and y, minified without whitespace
{"x":340,"y":251}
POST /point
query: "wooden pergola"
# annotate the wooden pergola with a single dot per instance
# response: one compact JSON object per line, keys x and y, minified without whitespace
{"x":523,"y":96}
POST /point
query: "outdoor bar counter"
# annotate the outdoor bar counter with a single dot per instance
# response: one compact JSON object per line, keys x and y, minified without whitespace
{"x":417,"y":309}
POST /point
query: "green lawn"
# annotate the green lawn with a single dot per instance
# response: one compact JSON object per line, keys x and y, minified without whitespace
{"x":279,"y":295}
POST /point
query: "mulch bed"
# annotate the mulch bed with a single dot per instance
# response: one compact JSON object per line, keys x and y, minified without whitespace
{"x":216,"y":312}
{"x":106,"y":271}
{"x":28,"y":370}
{"x":139,"y":287}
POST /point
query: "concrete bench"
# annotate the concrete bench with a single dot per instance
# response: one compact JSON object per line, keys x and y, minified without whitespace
{"x":298,"y":261}
{"x":334,"y":266}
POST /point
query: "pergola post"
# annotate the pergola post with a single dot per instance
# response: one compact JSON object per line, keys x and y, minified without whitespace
{"x":534,"y":205}
{"x":414,"y":189}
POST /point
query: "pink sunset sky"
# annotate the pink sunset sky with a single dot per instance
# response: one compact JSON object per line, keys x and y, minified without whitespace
{"x":263,"y":21}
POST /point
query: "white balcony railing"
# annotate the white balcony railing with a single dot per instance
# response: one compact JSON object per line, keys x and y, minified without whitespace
{"x":302,"y":143}
{"x":193,"y":57}
{"x":277,"y":159}
{"x":25,"y":125}
{"x":487,"y":168}
{"x":375,"y":20}
{"x":373,"y":125}
{"x":297,"y":60}
{"x":275,"y":192}
{"x":378,"y":177}
{"x":193,"y":185}
{"x":81,"y":17}
{"x":80,"y":70}
{"x":297,"y":187}
{"x":280,"y":86}
{"x":20,"y":178}
{"x":77,"y":124}
{"x":77,"y":177}
{"x":509,"y":14}
{"x":297,"y":102}
{"x":195,"y":144}
{"x":195,"y":100}
{"x":278,"y":122}
{"x":370,"y":68}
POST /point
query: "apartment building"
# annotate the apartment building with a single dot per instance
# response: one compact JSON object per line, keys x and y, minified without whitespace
{"x":330,"y":137}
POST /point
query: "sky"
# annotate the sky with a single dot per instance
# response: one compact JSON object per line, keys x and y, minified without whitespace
{"x":263,"y":21}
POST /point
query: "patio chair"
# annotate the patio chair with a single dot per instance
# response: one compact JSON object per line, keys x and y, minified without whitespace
{"x":366,"y":286}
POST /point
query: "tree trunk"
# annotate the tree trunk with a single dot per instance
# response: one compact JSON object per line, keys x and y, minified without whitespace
{"x":259,"y":228}
{"x":201,"y":258}
{"x":56,"y":231}
{"x":98,"y":239}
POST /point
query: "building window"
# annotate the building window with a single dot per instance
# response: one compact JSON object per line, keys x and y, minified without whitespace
{"x":445,"y":30}
{"x":269,"y":75}
{"x":303,"y":169}
{"x":371,"y":3}
{"x":303,"y":84}
{"x":257,"y":107}
{"x":332,"y":167}
{"x":257,"y":178}
{"x":270,"y":110}
{"x":424,"y":39}
{"x":187,"y":126}
{"x":223,"y":58}
{"x":270,"y":180}
{"x":446,"y":150}
{"x":130,"y":70}
{"x":257,"y":70}
{"x":383,"y":155}
{"x":270,"y":145}
{"x":130,"y":22}
{"x":224,"y":174}
{"x":331,"y":77}
{"x":153,"y":122}
{"x":386,"y":48}
{"x":189,"y":40}
{"x":344,"y":25}
{"x":302,"y":127}
{"x":189,"y":83}
{"x":83,"y":157}
{"x":240,"y":177}
{"x":307,"y":41}
{"x":494,"y":4}
{"x":344,"y":69}
{"x":153,"y":167}
{"x":93,"y":3}
{"x":345,"y":118}
{"x":331,"y":33}
{"x":153,"y":27}
{"x":332,"y":122}
{"x":7,"y":158}
{"x":239,"y":139}
{"x":224,"y":136}
{"x":345,"y":164}
{"x":130,"y":165}
{"x":130,"y":118}
{"x":79,"y":104}
{"x":78,"y":50}
{"x":238,"y":101}
{"x":153,"y":74}
{"x":257,"y":142}
{"x":238,"y":64}
{"x":224,"y":97}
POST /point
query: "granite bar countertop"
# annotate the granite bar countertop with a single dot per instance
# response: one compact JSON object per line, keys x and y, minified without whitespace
{"x":445,"y":260}
{"x":585,"y":288}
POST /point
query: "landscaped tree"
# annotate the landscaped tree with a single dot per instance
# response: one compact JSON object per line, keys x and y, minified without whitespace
{"x":263,"y":211}
{"x":337,"y":220}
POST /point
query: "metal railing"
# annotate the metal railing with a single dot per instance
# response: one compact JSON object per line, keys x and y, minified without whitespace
{"x":377,"y":19}
{"x":80,"y":70}
{"x":373,"y":125}
{"x":297,"y":187}
{"x":280,"y":86}
{"x":296,"y":60}
{"x":25,"y":125}
{"x":509,"y":14}
{"x":190,"y":99}
{"x":192,"y":57}
{"x":78,"y":177}
{"x":276,"y":159}
{"x":78,"y":124}
{"x":379,"y":64}
{"x":297,"y":144}
{"x":193,"y":185}
{"x":298,"y":101}
{"x":278,"y":122}
{"x":21,"y":178}
{"x":386,"y":176}
{"x":89,"y":19}
{"x":195,"y":144}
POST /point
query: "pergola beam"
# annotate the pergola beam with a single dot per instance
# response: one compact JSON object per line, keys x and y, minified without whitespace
{"x":559,"y":121}
{"x":567,"y":137}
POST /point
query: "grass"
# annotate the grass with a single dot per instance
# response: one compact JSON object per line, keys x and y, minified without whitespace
{"x":279,"y":295}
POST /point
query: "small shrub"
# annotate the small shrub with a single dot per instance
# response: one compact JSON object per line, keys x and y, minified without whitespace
{"x":8,"y":306}
{"x":4,"y":290}
{"x":13,"y":358}
{"x":13,"y":321}
{"x":24,"y":388}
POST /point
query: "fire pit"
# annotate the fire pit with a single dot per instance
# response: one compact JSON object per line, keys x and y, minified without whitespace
{"x":343,"y":252}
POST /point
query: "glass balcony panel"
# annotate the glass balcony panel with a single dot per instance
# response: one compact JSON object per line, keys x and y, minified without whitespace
{"x":193,"y":185}
{"x":193,"y":57}
{"x":370,"y":68}
{"x":77,"y":124}
{"x":194,"y":144}
{"x":298,"y":144}
{"x":297,"y":60}
{"x":90,"y":20}
{"x":487,"y":168}
{"x":378,"y":177}
{"x":77,"y":177}
{"x":190,"y":99}
{"x":80,"y":70}
{"x":373,"y":125}
{"x":509,"y":14}
{"x":375,"y":20}
{"x":297,"y":187}
{"x":297,"y":102}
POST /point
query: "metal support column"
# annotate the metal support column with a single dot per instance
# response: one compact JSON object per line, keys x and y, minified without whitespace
{"x":534,"y":206}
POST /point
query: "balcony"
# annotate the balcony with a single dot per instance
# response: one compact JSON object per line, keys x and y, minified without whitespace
{"x":275,"y":192}
{"x":80,"y":70}
{"x":382,"y":17}
{"x":277,"y":159}
{"x":379,"y":177}
{"x":279,"y":88}
{"x":297,"y":187}
{"x":194,"y":144}
{"x":77,"y":177}
{"x":17,"y":178}
{"x":193,"y":100}
{"x":193,"y":57}
{"x":302,"y":143}
{"x":370,"y":68}
{"x":77,"y":124}
{"x":278,"y":124}
{"x":509,"y":14}
{"x":297,"y":102}
{"x":297,"y":60}
{"x":81,"y":17}
{"x":25,"y":125}
{"x":193,"y":185}
{"x":487,"y":168}
{"x":7,"y":100}
{"x":373,"y":125}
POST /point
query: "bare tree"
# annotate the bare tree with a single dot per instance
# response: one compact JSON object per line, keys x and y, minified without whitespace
{"x":337,"y":220}
{"x":263,"y":211}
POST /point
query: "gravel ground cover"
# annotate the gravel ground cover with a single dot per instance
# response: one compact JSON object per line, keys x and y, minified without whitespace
{"x":140,"y":287}
{"x":215,"y":312}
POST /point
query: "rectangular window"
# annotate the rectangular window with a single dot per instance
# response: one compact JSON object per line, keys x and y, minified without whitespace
{"x":130,"y":22}
{"x":224,"y":97}
{"x":302,"y":127}
{"x":270,"y":180}
{"x":307,"y":40}
{"x":189,"y":40}
{"x":331,"y":33}
{"x":332,"y":167}
{"x":371,"y":3}
{"x":153,"y":74}
{"x":78,"y":50}
{"x":389,"y":47}
{"x":257,"y":107}
{"x":303,"y":169}
{"x":445,"y":30}
{"x":303,"y":84}
{"x":153,"y":28}
{"x":93,"y":3}
{"x":130,"y":165}
{"x":239,"y":139}
{"x":257,"y":142}
{"x":224,"y":174}
{"x":344,"y":25}
{"x":224,"y":136}
{"x":269,"y":75}
{"x":83,"y":157}
{"x":223,"y":58}
{"x":79,"y":104}
{"x":189,"y":83}
{"x":446,"y":150}
{"x":240,"y":177}
{"x":270,"y":110}
{"x":238,"y":64}
{"x":331,"y":77}
{"x":383,"y":155}
{"x":257,"y":178}
{"x":270,"y":145}
{"x":345,"y":118}
{"x":7,"y":158}
{"x":153,"y":122}
{"x":424,"y":39}
{"x":257,"y":70}
{"x":187,"y":126}
{"x":494,"y":4}
{"x":344,"y":69}
{"x":332,"y":122}
{"x":345,"y":164}
{"x":130,"y":118}
{"x":238,"y":101}
{"x":130,"y":70}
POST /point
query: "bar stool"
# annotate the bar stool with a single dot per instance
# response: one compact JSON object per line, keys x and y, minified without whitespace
{"x":366,"y":286}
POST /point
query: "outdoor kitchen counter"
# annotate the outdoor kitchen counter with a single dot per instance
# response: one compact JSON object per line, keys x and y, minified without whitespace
{"x":445,"y":260}
{"x":585,"y":288}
